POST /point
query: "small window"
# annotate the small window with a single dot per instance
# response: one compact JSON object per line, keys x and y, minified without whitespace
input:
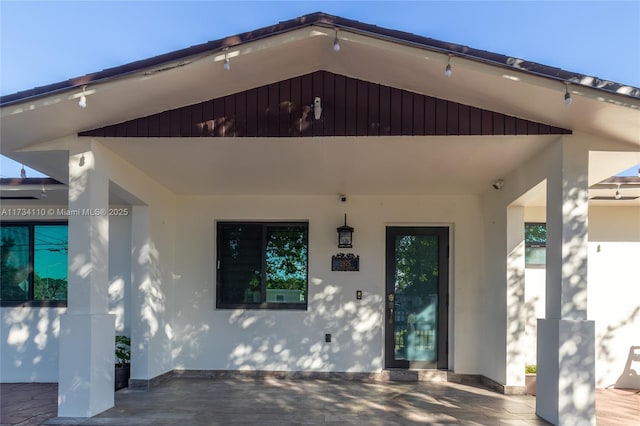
{"x":33,"y":258}
{"x":535,"y":245}
{"x":262,"y":265}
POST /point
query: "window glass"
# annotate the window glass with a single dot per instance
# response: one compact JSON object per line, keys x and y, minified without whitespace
{"x":535,"y":238}
{"x":240,"y":263}
{"x":286,"y":257}
{"x":14,"y":276}
{"x":34,"y":264}
{"x":262,"y":265}
{"x":50,"y":262}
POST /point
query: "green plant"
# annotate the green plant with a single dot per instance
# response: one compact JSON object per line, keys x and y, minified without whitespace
{"x":123,"y":350}
{"x":530,"y":369}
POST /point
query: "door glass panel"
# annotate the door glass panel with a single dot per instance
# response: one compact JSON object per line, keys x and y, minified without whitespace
{"x":416,"y":298}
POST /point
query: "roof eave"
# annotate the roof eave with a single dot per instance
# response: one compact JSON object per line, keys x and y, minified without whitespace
{"x":325,"y":20}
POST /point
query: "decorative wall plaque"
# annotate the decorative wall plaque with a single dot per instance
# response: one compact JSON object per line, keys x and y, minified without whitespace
{"x":345,"y":262}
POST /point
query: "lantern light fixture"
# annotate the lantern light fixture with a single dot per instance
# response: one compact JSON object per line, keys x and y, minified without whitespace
{"x":23,"y":172}
{"x":345,"y":235}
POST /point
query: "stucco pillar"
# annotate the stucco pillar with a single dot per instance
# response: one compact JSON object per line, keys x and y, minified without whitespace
{"x":566,"y":349}
{"x":144,"y":322}
{"x":516,"y":319}
{"x":87,"y":331}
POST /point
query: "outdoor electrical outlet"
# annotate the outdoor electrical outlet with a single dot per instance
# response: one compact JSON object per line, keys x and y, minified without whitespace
{"x":359,"y":294}
{"x":327,"y":338}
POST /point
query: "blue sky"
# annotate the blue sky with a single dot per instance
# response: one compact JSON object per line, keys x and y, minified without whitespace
{"x":51,"y":41}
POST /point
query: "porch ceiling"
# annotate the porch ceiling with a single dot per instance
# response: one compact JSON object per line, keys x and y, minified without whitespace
{"x":376,"y":165}
{"x":398,"y":165}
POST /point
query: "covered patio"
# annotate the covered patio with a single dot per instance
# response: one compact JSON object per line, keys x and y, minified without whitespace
{"x":251,"y":399}
{"x":205,"y":148}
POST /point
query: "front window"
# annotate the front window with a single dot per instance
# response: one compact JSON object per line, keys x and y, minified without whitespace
{"x":262,"y":265}
{"x":33,"y":259}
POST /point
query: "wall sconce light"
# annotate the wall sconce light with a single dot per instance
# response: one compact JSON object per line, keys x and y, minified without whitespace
{"x":43,"y":192}
{"x":618,"y":195}
{"x":345,"y":235}
{"x":317,"y":108}
{"x":23,"y":172}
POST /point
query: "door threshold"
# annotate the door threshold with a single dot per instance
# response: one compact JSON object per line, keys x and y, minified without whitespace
{"x":415,"y":375}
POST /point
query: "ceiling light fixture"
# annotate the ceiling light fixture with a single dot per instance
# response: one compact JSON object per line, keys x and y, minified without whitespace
{"x":226,"y":65}
{"x":23,"y":172}
{"x":336,"y":42}
{"x":447,"y":69}
{"x":82,"y":103}
{"x":567,"y":95}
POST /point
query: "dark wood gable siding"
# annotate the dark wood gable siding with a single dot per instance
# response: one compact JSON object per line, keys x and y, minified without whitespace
{"x":350,"y":107}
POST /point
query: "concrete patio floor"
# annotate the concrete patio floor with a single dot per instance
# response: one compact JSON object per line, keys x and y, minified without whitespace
{"x":272,"y":401}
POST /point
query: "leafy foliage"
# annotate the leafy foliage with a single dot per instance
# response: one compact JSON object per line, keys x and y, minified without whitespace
{"x":123,"y":350}
{"x":535,"y":233}
{"x":530,"y":369}
{"x":416,"y":263}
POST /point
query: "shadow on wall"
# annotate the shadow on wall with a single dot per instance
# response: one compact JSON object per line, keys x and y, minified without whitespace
{"x":630,"y":378}
{"x":355,"y":327}
{"x":30,"y":344}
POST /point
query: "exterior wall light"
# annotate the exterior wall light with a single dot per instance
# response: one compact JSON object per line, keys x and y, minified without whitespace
{"x":82,"y":103}
{"x":226,"y":65}
{"x":567,"y":95}
{"x":336,"y":43}
{"x":317,"y":108}
{"x":447,"y":69}
{"x":345,"y":235}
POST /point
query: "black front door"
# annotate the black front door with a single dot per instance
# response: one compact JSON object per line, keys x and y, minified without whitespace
{"x":416,"y":297}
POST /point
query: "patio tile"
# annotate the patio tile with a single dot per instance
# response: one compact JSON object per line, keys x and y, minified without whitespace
{"x":195,"y":402}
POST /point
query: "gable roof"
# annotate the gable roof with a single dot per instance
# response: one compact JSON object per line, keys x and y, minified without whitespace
{"x":330,"y":21}
{"x":350,"y":107}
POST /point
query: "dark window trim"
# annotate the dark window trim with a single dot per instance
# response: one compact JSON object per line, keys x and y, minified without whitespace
{"x":262,"y":305}
{"x":33,"y":303}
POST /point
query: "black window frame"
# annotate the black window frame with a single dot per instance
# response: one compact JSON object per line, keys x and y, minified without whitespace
{"x":263,"y":304}
{"x":31,"y":302}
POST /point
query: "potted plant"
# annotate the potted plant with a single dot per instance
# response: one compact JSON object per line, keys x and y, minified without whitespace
{"x":530,"y":379}
{"x":123,"y":359}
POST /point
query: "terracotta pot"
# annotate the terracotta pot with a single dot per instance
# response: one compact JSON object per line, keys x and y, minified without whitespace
{"x":530,"y":383}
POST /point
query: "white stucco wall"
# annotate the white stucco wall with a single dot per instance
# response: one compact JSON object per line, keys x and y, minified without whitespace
{"x":29,"y":336}
{"x":207,"y":338}
{"x":614,"y":293}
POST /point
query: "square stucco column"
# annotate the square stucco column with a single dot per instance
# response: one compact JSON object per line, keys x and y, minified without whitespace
{"x":516,"y":319}
{"x":87,"y":331}
{"x":566,"y":348}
